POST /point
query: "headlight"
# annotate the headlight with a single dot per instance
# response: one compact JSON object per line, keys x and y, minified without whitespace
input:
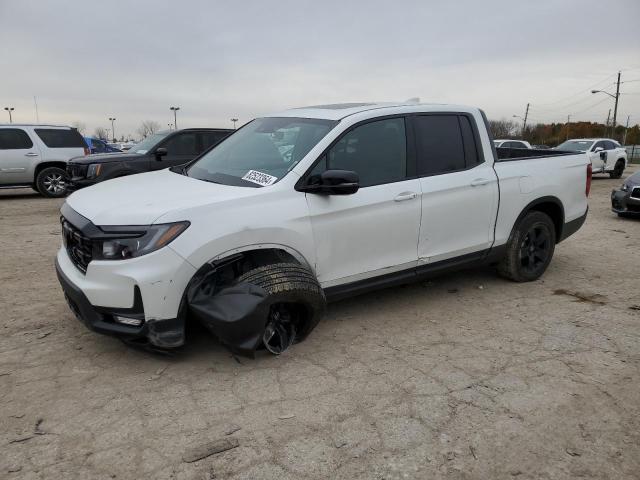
{"x":94,"y":170}
{"x":135,"y":244}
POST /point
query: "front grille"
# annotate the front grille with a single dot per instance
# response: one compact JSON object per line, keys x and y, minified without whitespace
{"x":635,"y":193}
{"x":79,"y":247}
{"x":76,"y":170}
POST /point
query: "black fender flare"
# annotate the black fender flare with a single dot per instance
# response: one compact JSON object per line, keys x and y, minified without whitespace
{"x":539,"y":201}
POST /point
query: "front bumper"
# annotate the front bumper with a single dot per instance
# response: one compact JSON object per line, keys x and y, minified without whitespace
{"x":623,"y":203}
{"x":149,"y":288}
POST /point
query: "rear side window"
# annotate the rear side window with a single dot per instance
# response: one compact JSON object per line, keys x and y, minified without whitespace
{"x":440,"y":147}
{"x":209,"y":139}
{"x":14,"y":139}
{"x":376,"y":151}
{"x":470,"y":148}
{"x":61,"y":138}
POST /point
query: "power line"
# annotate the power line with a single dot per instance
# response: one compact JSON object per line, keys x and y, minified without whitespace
{"x":582,"y":92}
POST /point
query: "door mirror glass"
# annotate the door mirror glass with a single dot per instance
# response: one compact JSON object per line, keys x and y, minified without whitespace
{"x":332,"y":182}
{"x":160,"y":152}
{"x":598,"y":149}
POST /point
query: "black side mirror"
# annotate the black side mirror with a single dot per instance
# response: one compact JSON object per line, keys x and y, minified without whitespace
{"x":332,"y":182}
{"x":160,"y":152}
{"x":603,"y":155}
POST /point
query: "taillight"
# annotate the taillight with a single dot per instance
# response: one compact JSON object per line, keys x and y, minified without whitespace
{"x":589,"y":173}
{"x":86,"y":151}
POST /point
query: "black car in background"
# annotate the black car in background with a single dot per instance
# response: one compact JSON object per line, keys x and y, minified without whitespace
{"x":157,"y":151}
{"x":626,"y":200}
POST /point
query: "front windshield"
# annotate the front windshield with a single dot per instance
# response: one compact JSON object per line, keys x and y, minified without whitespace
{"x":148,"y":143}
{"x":261,"y":152}
{"x":575,"y":145}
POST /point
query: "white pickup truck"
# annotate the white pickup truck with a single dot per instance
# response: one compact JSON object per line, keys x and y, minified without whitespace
{"x":605,"y":155}
{"x":309,"y":205}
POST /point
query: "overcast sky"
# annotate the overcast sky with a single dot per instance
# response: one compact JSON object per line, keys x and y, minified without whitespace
{"x":88,"y":60}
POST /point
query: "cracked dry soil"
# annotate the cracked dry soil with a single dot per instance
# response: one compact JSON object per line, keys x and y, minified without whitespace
{"x":433,"y":380}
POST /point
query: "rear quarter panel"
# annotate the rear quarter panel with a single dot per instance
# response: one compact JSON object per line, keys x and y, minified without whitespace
{"x":524,"y":181}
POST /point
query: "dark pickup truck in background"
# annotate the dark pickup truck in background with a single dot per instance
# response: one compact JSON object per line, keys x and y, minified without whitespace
{"x":156,"y":152}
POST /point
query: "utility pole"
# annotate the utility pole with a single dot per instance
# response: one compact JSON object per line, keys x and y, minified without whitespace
{"x":606,"y":130}
{"x":35,"y":103}
{"x":615,"y":108}
{"x":568,"y":122}
{"x":624,"y":139}
{"x":10,"y":109}
{"x":524,"y":124}
{"x":113,"y":131}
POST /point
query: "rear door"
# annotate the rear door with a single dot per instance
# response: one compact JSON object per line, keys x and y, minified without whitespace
{"x":458,"y":185}
{"x":18,"y":155}
{"x":182,"y":147}
{"x":60,"y":143}
{"x":375,"y":230}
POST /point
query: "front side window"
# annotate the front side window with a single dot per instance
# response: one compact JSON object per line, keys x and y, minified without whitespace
{"x":598,"y":145}
{"x":261,"y":152}
{"x":182,"y":144}
{"x":376,"y":151}
{"x":14,"y":139}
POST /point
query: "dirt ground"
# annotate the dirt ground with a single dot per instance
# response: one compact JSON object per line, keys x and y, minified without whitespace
{"x":467,"y":376}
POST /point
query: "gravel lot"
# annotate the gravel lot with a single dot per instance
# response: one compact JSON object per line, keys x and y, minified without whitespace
{"x":466,"y":376}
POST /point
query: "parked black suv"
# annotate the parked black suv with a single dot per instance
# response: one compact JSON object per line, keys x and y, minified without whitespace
{"x":157,"y":151}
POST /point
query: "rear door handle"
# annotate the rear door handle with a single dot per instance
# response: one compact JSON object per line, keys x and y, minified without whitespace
{"x":31,"y":154}
{"x":480,"y":181}
{"x":405,"y":196}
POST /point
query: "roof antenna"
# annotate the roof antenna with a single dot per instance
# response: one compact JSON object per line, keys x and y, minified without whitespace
{"x":413,"y":100}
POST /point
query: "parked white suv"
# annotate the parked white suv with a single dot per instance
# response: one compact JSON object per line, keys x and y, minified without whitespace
{"x":307,"y":205}
{"x":36,"y":156}
{"x":606,"y":155}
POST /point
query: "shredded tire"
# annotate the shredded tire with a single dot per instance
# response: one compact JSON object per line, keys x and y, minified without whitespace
{"x":291,"y":284}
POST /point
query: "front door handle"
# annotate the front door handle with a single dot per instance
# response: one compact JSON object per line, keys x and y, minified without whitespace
{"x":480,"y":181}
{"x":405,"y":196}
{"x":31,"y":154}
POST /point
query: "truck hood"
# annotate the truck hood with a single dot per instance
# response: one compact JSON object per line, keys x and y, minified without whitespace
{"x":141,"y":199}
{"x":104,"y":158}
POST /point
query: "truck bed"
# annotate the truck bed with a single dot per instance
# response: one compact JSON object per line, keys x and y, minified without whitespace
{"x":506,"y":154}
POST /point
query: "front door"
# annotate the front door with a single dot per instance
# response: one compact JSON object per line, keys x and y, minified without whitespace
{"x":375,"y":230}
{"x":181,"y":148}
{"x":598,"y":158}
{"x":459,"y":188}
{"x":18,"y":156}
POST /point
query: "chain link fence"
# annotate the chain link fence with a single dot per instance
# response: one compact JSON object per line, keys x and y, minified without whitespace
{"x":633,"y":153}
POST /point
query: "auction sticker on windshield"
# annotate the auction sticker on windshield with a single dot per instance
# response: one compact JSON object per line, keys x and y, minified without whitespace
{"x":260,"y":178}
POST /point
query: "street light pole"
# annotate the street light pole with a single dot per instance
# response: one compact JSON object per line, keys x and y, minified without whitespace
{"x":234,"y":120}
{"x":175,"y":118}
{"x":568,"y":122}
{"x":624,"y":139}
{"x":10,"y":109}
{"x":113,"y":131}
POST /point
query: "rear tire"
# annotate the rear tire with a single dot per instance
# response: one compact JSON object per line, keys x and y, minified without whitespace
{"x":52,"y":182}
{"x":618,"y":170}
{"x":296,"y":303}
{"x":529,"y":249}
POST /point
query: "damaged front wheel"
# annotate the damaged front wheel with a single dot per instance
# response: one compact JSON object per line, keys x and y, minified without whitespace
{"x":296,"y":303}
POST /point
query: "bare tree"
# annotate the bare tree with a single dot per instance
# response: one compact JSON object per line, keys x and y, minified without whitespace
{"x":148,"y":127}
{"x":101,"y":133}
{"x":80,"y":126}
{"x":503,"y":128}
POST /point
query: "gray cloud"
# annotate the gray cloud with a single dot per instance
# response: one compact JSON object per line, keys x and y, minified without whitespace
{"x":88,"y":60}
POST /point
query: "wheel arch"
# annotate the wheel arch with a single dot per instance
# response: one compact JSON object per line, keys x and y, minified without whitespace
{"x":51,"y":163}
{"x":549,"y":205}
